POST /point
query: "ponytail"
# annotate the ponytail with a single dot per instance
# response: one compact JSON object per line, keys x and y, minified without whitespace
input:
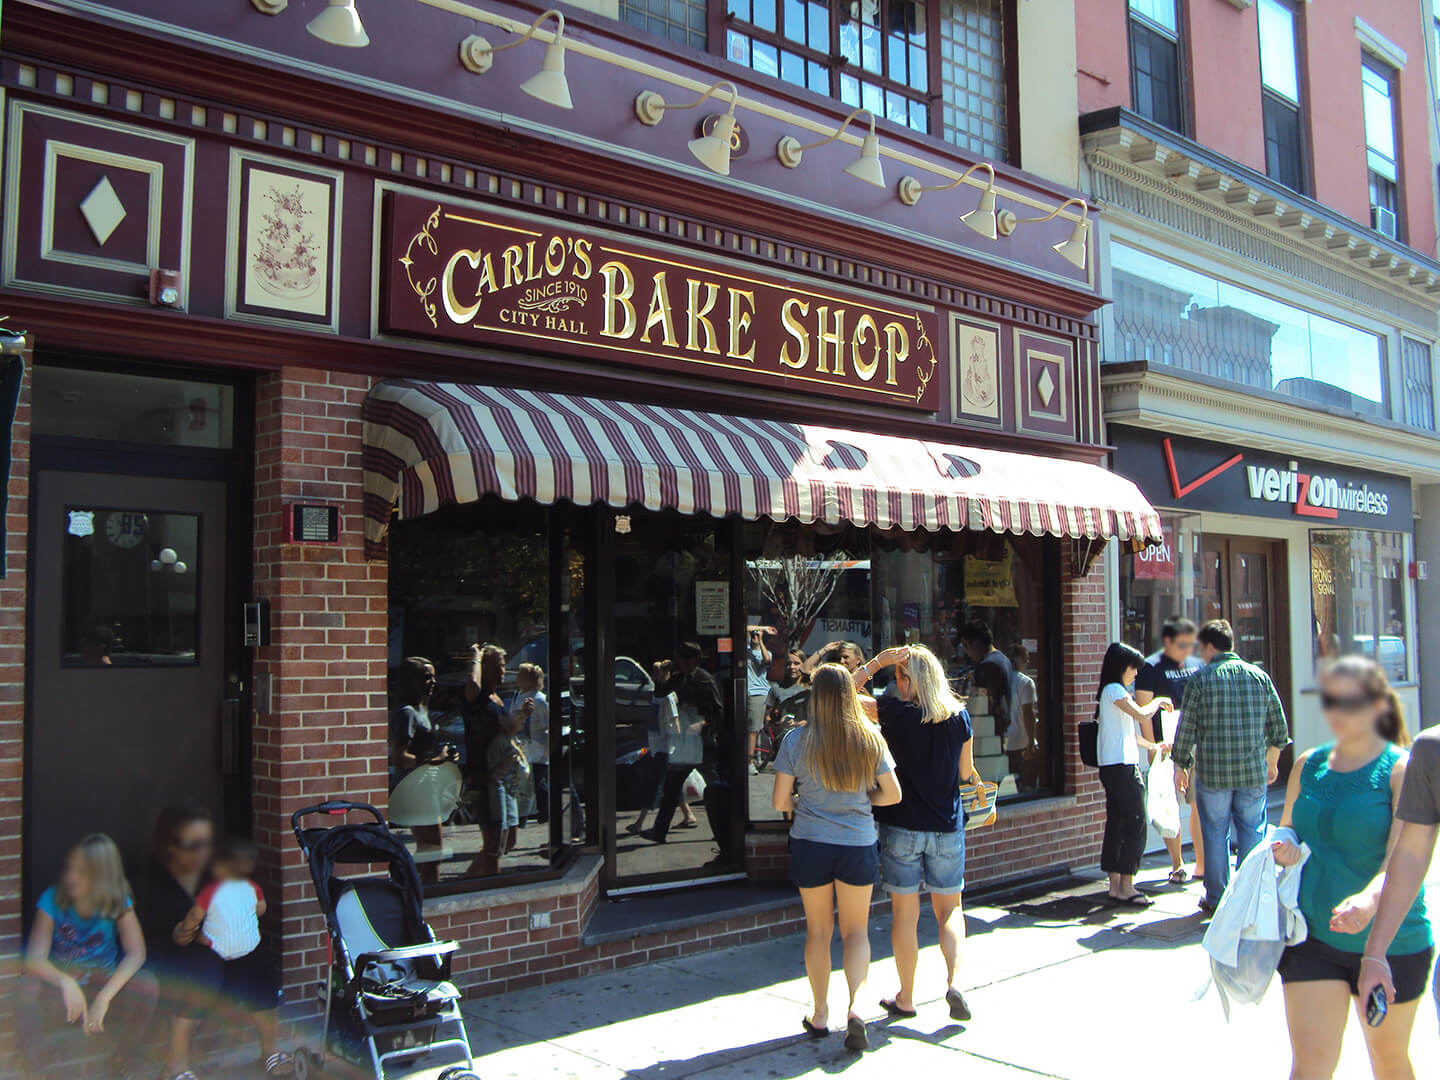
{"x":1392,"y":721}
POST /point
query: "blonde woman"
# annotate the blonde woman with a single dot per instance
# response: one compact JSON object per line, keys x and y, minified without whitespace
{"x":922,"y":837}
{"x":83,"y":960}
{"x":830,"y":774}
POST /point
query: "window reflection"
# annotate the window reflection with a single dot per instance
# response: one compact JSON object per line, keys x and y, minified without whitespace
{"x":1357,"y":589}
{"x":1171,"y":314}
{"x":131,"y":596}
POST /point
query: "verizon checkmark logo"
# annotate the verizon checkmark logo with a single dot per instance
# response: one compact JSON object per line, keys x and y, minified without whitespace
{"x":1181,"y":490}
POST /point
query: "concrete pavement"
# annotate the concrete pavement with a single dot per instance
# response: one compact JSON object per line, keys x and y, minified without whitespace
{"x":1061,"y":987}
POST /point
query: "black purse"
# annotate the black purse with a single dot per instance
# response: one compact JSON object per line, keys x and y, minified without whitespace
{"x":1089,"y":735}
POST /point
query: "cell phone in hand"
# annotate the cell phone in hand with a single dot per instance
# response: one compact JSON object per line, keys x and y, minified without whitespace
{"x":1376,"y":1007}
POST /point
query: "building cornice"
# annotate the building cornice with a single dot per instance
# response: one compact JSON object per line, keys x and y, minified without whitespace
{"x":1118,"y":142}
{"x":1180,"y":403}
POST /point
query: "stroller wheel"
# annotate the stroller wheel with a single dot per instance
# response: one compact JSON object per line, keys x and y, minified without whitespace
{"x":301,"y":1061}
{"x":459,"y":1073}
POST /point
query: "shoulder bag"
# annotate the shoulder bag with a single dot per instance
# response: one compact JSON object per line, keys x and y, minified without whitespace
{"x":1089,"y":735}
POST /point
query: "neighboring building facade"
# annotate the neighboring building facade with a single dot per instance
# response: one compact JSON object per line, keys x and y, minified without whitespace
{"x":346,"y":355}
{"x":1268,"y":241}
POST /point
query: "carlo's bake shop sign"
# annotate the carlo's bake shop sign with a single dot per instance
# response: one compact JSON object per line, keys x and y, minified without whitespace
{"x":483,"y":278}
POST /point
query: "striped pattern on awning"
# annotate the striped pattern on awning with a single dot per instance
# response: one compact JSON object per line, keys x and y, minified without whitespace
{"x":429,"y":445}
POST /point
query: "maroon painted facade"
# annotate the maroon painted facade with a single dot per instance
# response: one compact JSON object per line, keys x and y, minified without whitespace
{"x":194,"y":114}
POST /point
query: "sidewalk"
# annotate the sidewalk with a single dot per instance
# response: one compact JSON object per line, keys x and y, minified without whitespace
{"x":1056,"y":983}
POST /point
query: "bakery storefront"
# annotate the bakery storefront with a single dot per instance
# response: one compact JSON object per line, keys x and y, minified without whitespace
{"x":1307,"y":559}
{"x":314,"y":388}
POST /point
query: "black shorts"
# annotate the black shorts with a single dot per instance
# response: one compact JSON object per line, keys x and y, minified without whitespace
{"x":813,"y":864}
{"x":196,"y":983}
{"x":1314,"y":961}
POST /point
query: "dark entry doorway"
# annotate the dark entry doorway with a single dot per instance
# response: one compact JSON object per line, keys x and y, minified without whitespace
{"x":130,"y":704}
{"x":1244,"y":581}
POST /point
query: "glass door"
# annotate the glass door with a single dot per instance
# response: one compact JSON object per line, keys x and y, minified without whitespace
{"x":673,"y":679}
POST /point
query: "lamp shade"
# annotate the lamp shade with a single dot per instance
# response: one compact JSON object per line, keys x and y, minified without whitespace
{"x":549,"y":83}
{"x":867,"y":166}
{"x":713,"y":150}
{"x":339,"y":24}
{"x":1073,"y":250}
{"x":982,"y":218}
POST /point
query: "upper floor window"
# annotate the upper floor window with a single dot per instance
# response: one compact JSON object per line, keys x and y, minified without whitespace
{"x":936,"y":66}
{"x":1280,"y":93}
{"x":1378,"y":89}
{"x":1155,"y":65}
{"x":1211,"y":327}
{"x":1416,"y":369}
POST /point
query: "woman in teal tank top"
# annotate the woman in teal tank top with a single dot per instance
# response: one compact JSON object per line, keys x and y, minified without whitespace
{"x":1340,"y":802}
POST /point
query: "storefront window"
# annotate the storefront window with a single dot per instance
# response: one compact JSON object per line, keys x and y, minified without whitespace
{"x":1170,"y":314}
{"x":1161,"y":582}
{"x":81,"y":404}
{"x":478,"y":800}
{"x":852,"y":586}
{"x":1357,"y":589}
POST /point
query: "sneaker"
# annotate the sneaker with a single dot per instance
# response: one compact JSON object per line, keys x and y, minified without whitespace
{"x":753,"y":770}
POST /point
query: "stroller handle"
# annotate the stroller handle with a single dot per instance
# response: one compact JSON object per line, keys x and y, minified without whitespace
{"x":336,"y":807}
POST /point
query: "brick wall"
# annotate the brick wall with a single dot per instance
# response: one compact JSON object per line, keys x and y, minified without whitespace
{"x":325,"y":736}
{"x":12,"y":705}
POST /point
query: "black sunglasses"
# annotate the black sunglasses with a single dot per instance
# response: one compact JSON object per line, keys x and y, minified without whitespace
{"x":1352,"y":703}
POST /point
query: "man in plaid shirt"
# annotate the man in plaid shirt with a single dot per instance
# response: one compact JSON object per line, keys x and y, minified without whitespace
{"x":1232,"y":720}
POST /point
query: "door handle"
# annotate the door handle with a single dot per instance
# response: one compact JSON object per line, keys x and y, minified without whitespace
{"x":230,"y":736}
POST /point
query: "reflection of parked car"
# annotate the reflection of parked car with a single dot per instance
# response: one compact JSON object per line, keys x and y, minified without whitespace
{"x":1392,"y":653}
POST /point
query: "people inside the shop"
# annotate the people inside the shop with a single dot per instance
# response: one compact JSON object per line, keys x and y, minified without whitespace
{"x":83,"y":964}
{"x":922,"y":837}
{"x":1346,"y":802}
{"x":196,"y":983}
{"x":757,"y":685}
{"x":991,"y":670}
{"x":414,"y":742}
{"x":830,"y":775}
{"x":1022,"y":745}
{"x":846,"y":653}
{"x":697,"y":696}
{"x":664,"y":743}
{"x":1164,"y":675}
{"x":485,"y":717}
{"x":1121,"y":737}
{"x":1232,"y":730}
{"x":534,"y":709}
{"x":787,"y":697}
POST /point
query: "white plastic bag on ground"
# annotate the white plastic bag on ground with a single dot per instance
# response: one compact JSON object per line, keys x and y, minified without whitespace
{"x":1162,"y":806}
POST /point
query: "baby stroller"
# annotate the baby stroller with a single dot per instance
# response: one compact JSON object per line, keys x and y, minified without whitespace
{"x":390,"y":1002}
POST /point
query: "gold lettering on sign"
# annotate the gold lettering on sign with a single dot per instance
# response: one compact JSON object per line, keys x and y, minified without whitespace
{"x":897,"y":350}
{"x":659,"y":314}
{"x":697,"y":316}
{"x":740,"y":319}
{"x":795,"y":329}
{"x":864,"y":327}
{"x":454,"y":310}
{"x":830,"y":339}
{"x":619,"y":288}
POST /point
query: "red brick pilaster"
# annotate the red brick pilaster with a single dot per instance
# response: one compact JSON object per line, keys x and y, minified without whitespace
{"x":12,"y":705}
{"x":325,"y":734}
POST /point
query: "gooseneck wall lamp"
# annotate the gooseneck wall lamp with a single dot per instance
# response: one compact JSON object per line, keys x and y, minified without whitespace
{"x":981,"y":219}
{"x":711,"y":149}
{"x":340,"y":24}
{"x":866,"y":167}
{"x":549,"y":84}
{"x":1072,"y":250}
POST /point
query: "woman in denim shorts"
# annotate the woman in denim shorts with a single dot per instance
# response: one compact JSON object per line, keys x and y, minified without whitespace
{"x":922,"y":838}
{"x":829,"y":774}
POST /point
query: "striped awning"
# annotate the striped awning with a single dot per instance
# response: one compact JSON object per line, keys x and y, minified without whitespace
{"x":429,"y":445}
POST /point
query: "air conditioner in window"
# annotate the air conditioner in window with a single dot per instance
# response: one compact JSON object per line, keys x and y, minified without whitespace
{"x":1382,"y":220}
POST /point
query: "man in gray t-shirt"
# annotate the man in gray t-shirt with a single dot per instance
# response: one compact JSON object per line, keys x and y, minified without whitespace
{"x":1419,"y":814}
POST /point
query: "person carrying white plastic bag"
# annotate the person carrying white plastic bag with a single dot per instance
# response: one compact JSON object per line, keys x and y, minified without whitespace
{"x":1162,"y":805}
{"x":1258,"y":917}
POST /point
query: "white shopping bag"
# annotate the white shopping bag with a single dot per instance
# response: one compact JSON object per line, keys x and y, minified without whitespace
{"x":1162,"y":806}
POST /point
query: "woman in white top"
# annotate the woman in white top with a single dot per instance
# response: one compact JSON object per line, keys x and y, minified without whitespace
{"x":1118,"y":753}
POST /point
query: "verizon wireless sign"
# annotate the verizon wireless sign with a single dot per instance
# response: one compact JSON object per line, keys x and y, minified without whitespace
{"x":1196,"y":474}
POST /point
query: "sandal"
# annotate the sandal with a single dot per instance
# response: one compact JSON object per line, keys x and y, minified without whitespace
{"x":1179,"y":876}
{"x":687,"y":825}
{"x":635,"y":828}
{"x":813,"y":1031}
{"x":888,"y":1004}
{"x":959,"y":1007}
{"x":857,"y":1036}
{"x":278,"y":1061}
{"x":1135,"y":900}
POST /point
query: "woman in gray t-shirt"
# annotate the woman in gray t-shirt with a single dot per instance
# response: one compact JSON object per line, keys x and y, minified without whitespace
{"x":830,"y":774}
